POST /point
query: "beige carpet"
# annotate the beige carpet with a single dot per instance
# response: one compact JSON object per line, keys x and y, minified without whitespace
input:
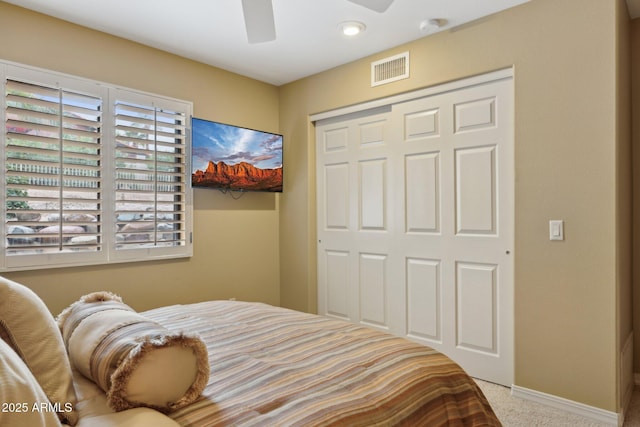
{"x":515,"y":412}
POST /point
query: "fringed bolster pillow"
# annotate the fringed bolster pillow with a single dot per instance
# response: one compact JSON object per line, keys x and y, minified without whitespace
{"x":135,"y":360}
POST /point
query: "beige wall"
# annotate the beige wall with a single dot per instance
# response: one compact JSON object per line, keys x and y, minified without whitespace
{"x":235,"y":242}
{"x":567,"y":294}
{"x":624,"y":255}
{"x":624,"y":201}
{"x":635,"y":126}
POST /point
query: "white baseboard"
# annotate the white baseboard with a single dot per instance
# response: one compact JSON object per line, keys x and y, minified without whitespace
{"x":591,"y":412}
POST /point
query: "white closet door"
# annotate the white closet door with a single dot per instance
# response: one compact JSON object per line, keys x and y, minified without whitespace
{"x":355,"y":221}
{"x":415,"y":223}
{"x":456,"y":208}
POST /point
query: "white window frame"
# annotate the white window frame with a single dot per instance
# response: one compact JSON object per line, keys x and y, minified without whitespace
{"x":109,"y":223}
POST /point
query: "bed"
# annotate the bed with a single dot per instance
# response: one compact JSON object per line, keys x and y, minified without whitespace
{"x":253,"y":365}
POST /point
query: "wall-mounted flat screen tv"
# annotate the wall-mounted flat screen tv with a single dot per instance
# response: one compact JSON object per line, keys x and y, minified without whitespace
{"x":234,"y":158}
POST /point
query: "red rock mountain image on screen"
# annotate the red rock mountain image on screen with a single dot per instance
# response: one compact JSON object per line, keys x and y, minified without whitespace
{"x":241,"y":176}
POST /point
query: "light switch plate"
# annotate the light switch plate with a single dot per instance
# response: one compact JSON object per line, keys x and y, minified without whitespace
{"x":556,"y":229}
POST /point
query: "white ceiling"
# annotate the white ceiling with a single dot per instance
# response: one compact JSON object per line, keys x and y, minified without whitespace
{"x":308,"y":40}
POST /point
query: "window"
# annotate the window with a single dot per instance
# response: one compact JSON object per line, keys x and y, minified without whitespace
{"x":93,"y":173}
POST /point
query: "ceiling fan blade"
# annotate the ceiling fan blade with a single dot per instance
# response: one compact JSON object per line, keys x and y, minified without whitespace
{"x":258,"y":20}
{"x":377,"y":5}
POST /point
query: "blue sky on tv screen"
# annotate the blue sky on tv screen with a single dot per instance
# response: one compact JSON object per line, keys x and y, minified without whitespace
{"x":218,"y":142}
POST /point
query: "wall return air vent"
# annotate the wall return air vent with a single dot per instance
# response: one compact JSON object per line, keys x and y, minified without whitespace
{"x":390,"y":69}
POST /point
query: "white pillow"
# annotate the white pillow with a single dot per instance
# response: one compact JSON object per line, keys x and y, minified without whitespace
{"x":23,"y":401}
{"x":94,"y":411}
{"x":136,"y":361}
{"x":29,"y":328}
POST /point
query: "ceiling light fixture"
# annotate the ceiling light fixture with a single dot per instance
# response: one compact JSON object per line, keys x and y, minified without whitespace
{"x":352,"y":28}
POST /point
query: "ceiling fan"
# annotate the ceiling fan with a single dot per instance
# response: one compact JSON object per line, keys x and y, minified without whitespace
{"x":260,"y":25}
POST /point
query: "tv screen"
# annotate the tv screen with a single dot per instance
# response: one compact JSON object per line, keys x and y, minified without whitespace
{"x":229,"y":157}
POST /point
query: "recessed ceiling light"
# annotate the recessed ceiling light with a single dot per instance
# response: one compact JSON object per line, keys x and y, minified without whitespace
{"x":352,"y":28}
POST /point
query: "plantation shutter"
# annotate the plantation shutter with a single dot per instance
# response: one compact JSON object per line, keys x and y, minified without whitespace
{"x":151,"y":171}
{"x":52,"y":162}
{"x":93,"y":174}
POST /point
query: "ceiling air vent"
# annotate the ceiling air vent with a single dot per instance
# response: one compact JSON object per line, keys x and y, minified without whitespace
{"x":390,"y":69}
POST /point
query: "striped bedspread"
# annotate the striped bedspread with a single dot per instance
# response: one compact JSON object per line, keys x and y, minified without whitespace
{"x":277,"y":367}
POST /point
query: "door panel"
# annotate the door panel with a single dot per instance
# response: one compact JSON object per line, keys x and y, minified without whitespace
{"x":475,"y":114}
{"x":373,"y":194}
{"x":336,"y":196}
{"x":422,"y":187}
{"x":422,"y":124}
{"x":475,"y":190}
{"x":476,"y":307}
{"x":353,"y":220}
{"x":335,"y":140}
{"x":337,"y":273}
{"x":372,"y":132}
{"x":424,"y":311}
{"x":373,"y":290}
